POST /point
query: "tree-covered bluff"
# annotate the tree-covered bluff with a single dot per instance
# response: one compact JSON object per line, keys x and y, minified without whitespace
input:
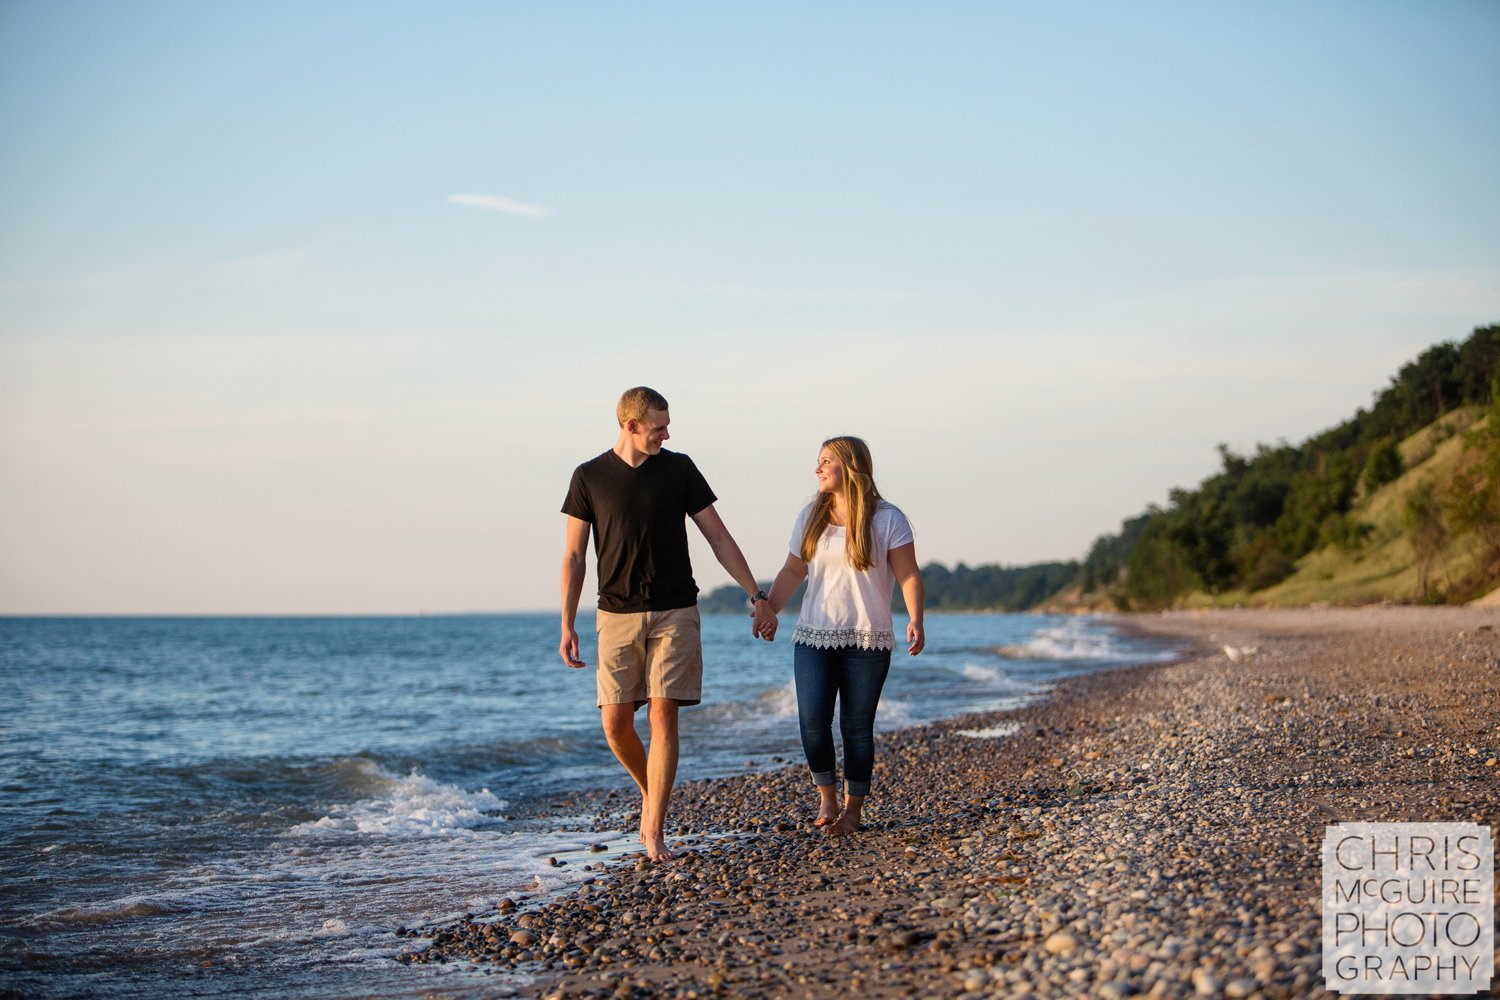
{"x":1414,"y":480}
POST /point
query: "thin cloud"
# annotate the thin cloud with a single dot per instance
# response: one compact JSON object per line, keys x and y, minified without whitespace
{"x":495,"y":203}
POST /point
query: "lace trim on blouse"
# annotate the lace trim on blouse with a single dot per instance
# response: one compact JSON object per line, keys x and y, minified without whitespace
{"x":833,"y":638}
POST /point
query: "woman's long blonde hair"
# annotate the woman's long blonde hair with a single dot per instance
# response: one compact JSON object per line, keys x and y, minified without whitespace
{"x":860,"y":500}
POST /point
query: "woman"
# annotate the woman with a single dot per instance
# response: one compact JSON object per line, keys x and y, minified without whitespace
{"x":851,"y":546}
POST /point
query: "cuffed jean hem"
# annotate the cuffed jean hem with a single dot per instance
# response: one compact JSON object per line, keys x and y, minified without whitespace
{"x":859,"y":789}
{"x":824,"y":778}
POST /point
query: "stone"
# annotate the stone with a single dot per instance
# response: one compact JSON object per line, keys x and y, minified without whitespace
{"x":1061,"y":943}
{"x":905,"y":940}
{"x":1205,"y":983}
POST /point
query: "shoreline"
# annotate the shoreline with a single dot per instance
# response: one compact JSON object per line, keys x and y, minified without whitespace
{"x":1151,"y":829}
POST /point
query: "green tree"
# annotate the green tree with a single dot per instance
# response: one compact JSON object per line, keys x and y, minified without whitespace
{"x":1203,"y":532}
{"x":1424,"y":523}
{"x":1346,"y":532}
{"x":1107,"y":557}
{"x":1158,"y":572}
{"x":1384,"y":464}
{"x":1473,"y":497}
{"x":1262,"y":563}
{"x":1479,"y":364}
{"x":1421,"y":392}
{"x":1316,"y":496}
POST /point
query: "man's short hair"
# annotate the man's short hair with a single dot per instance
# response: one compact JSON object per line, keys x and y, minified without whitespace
{"x":635,"y":402}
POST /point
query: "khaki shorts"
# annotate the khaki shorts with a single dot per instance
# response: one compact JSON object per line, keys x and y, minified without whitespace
{"x":650,"y":654}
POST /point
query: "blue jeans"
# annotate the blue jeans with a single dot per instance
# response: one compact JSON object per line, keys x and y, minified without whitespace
{"x":854,"y":677}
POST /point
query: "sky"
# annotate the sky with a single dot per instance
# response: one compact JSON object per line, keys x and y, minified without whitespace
{"x":313,"y":307}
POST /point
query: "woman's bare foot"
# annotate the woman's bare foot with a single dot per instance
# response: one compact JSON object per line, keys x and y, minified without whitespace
{"x":828,"y":806}
{"x":849,"y":821}
{"x":846,"y":824}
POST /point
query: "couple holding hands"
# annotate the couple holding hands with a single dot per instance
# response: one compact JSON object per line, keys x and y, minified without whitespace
{"x":849,"y":544}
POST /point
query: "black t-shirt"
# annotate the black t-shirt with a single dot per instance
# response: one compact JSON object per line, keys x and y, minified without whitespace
{"x":640,"y":527}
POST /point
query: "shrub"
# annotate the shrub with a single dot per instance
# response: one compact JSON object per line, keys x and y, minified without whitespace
{"x":1383,"y":465}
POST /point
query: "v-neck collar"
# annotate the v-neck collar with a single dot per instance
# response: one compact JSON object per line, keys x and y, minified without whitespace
{"x":626,"y":465}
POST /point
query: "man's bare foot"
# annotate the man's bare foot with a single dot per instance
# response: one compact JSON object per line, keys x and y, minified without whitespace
{"x":828,"y":808}
{"x":656,"y":847}
{"x":847,"y":823}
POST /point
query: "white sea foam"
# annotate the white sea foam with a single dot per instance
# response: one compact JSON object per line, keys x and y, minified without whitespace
{"x":985,"y":675}
{"x":894,"y":713}
{"x":994,"y":679}
{"x":1077,"y":639}
{"x":782,"y":702}
{"x":991,"y":733}
{"x":771,"y":706}
{"x":413,"y":806}
{"x":775,"y":703}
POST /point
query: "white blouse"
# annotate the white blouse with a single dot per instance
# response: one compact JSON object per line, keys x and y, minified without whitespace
{"x":844,"y":606}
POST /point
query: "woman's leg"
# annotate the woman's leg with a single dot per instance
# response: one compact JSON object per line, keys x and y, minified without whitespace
{"x":816,"y":672}
{"x":861,"y":679}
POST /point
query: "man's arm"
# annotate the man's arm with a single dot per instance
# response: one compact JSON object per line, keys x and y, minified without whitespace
{"x":574,"y":565}
{"x":726,"y":550}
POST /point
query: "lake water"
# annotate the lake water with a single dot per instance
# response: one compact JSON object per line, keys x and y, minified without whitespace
{"x":251,"y":806}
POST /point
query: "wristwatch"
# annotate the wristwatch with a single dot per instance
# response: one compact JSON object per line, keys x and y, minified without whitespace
{"x":758,"y":596}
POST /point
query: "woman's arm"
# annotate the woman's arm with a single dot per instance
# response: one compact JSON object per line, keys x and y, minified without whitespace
{"x":903,"y":562}
{"x":793,"y":572}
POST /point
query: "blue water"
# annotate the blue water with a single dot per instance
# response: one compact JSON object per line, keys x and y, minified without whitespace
{"x":245,"y":806}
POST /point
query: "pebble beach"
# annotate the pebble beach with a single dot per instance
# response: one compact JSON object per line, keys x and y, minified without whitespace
{"x":1144,"y":831}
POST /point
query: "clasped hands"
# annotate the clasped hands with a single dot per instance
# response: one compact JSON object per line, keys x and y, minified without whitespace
{"x":763,"y":621}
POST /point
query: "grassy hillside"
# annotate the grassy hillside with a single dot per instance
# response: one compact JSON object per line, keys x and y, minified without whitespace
{"x":1384,"y":565}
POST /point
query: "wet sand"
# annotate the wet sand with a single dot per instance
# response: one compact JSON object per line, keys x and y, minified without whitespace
{"x":1145,"y":831}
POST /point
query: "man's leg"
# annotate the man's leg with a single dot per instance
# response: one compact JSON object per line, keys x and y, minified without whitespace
{"x":622,"y":686}
{"x":674,"y":659}
{"x":619,"y":730}
{"x":661,"y":771}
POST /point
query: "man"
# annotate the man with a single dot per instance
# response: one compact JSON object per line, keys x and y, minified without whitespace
{"x":636,"y":498}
